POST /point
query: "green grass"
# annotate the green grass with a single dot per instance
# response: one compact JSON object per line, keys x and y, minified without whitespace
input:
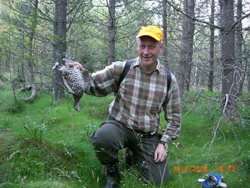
{"x":46,"y":143}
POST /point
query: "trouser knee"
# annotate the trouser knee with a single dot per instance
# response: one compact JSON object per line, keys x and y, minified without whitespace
{"x":98,"y":141}
{"x":106,"y":144}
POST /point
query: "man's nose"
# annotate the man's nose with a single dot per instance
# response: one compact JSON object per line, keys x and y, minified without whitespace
{"x":146,"y":50}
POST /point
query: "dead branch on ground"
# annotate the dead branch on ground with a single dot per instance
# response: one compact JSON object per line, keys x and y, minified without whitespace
{"x":32,"y":95}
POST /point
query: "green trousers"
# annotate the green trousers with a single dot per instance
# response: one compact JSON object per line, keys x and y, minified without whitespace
{"x":112,"y":136}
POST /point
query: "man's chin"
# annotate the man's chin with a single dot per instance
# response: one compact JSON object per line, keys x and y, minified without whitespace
{"x":147,"y":60}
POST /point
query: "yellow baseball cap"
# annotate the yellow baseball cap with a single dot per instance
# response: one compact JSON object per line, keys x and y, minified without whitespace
{"x":151,"y":31}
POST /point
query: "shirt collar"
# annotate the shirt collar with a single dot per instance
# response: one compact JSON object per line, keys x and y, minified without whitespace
{"x":137,"y":64}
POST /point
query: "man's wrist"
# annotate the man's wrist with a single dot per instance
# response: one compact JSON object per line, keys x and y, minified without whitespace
{"x":165,"y":144}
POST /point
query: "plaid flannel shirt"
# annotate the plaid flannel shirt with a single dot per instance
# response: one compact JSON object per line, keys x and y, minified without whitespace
{"x":140,"y":97}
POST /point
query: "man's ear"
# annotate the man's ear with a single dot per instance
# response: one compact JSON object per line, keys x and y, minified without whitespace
{"x":161,"y":46}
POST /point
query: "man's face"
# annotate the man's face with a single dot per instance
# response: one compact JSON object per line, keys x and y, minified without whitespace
{"x":149,"y":50}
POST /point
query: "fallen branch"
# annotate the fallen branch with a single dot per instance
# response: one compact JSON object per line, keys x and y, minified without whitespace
{"x":215,"y":100}
{"x":222,"y":116}
{"x":195,"y":101}
{"x":32,"y":95}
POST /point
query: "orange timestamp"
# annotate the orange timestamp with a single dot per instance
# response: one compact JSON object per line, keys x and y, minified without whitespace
{"x":190,"y":168}
{"x":225,"y":168}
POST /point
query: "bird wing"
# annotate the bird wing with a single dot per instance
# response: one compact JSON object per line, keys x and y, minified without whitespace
{"x":85,"y":75}
{"x":67,"y":86}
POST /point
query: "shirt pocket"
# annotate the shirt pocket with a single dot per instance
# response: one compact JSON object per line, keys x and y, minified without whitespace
{"x":155,"y":100}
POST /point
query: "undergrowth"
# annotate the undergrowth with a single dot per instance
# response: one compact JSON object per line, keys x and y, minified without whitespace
{"x":46,"y":143}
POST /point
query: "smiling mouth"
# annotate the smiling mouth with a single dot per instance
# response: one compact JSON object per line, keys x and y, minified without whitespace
{"x":146,"y":57}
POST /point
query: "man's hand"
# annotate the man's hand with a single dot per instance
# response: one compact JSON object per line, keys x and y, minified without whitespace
{"x":76,"y":65}
{"x":160,"y":153}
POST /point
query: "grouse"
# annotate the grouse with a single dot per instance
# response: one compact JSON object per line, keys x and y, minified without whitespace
{"x":74,"y":81}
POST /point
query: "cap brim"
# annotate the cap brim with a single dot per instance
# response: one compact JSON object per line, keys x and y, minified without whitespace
{"x":142,"y":35}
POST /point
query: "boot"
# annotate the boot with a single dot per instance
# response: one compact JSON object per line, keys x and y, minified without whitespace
{"x":113,"y":176}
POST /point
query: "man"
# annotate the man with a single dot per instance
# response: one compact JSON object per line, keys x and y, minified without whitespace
{"x":134,"y":118}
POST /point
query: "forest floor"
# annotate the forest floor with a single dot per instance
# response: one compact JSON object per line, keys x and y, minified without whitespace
{"x":46,"y":143}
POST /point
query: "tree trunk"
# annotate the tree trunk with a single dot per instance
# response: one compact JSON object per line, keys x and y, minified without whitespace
{"x":112,"y":32}
{"x":248,"y":75}
{"x":190,"y":41}
{"x":211,"y":58}
{"x":186,"y":47}
{"x":31,"y":38}
{"x":240,"y":72}
{"x":164,"y":27}
{"x":229,"y":85}
{"x":60,"y":46}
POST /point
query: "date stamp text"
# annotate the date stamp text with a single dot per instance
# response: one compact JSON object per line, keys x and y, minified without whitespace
{"x":190,"y":168}
{"x":202,"y":168}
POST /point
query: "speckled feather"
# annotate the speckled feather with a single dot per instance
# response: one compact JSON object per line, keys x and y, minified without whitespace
{"x":74,"y":81}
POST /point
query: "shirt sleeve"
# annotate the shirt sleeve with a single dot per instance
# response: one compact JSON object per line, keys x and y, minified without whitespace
{"x":105,"y":81}
{"x":172,"y":109}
